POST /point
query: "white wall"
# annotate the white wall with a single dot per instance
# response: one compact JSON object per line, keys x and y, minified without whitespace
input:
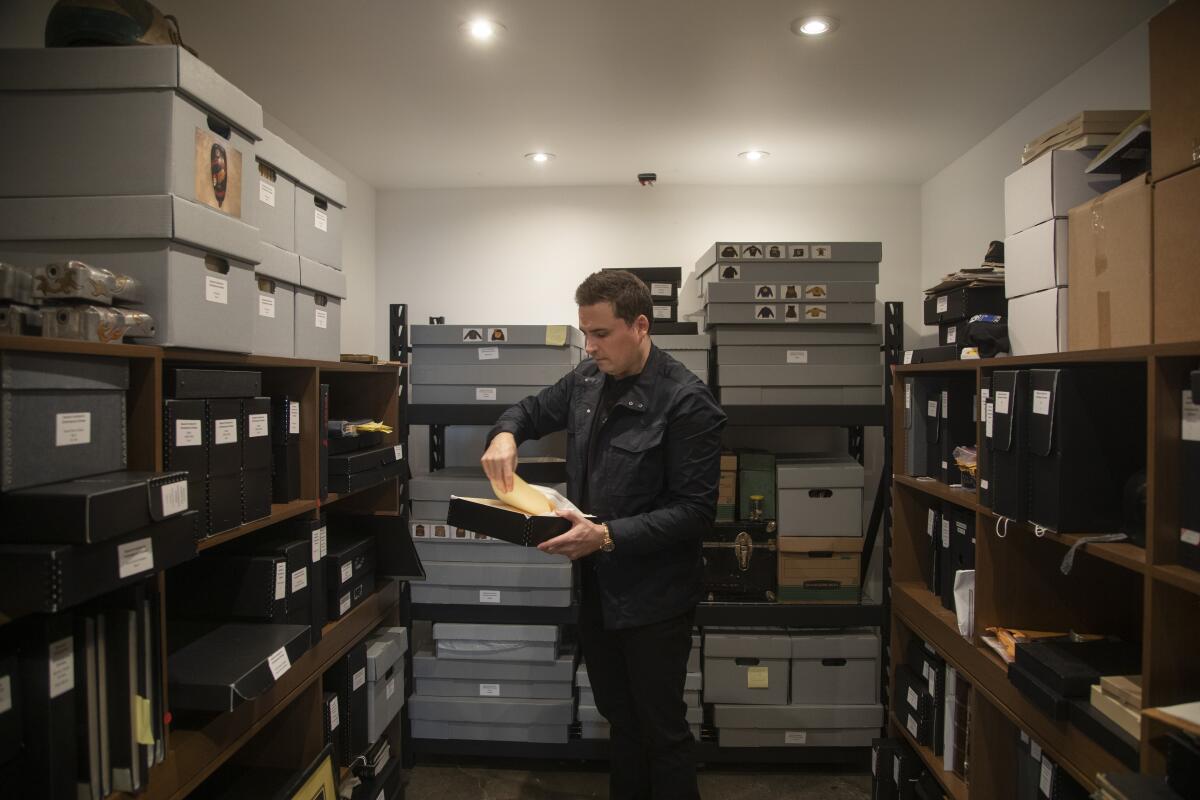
{"x":962,"y":207}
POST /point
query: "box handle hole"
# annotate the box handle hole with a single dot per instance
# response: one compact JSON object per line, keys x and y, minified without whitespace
{"x":820,"y":493}
{"x":321,"y":203}
{"x":219,"y":128}
{"x":215,"y":264}
{"x":746,"y":662}
{"x":833,"y":662}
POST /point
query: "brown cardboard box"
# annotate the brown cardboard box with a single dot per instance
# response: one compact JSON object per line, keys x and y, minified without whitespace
{"x":727,"y":489}
{"x":1177,"y":258}
{"x":729,"y":462}
{"x":819,"y":570}
{"x":1174,"y":100}
{"x":1110,"y":274}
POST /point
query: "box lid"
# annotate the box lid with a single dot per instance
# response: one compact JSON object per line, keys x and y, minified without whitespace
{"x":493,"y":518}
{"x":233,"y":663}
{"x":320,"y":278}
{"x":20,"y":371}
{"x":810,"y":545}
{"x":277,"y":263}
{"x":798,"y":717}
{"x":798,"y":252}
{"x":150,"y":67}
{"x":819,"y":471}
{"x":512,"y":335}
{"x":819,"y":644}
{"x":385,"y":647}
{"x":747,"y":643}
{"x":479,"y":632}
{"x":671,"y":342}
{"x":492,"y":710}
{"x":1008,"y":392}
{"x":498,"y":575}
{"x":300,"y":168}
{"x":427,"y":665}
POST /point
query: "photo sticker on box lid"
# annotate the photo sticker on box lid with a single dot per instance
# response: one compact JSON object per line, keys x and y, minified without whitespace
{"x":816,"y":291}
{"x":764,"y":312}
{"x":822,"y":251}
{"x":775,"y":251}
{"x":730,"y":272}
{"x":815,"y":313}
{"x":798,"y":252}
{"x":498,"y":335}
{"x":764,"y":291}
{"x":729,"y":251}
{"x":791,"y":313}
{"x":790,"y":291}
{"x":752,"y":251}
{"x":472,"y":334}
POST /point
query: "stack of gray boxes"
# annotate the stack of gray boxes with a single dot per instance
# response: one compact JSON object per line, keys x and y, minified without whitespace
{"x":386,"y":648}
{"x":690,"y":350}
{"x":502,"y":683}
{"x":775,"y":688}
{"x":490,"y":365}
{"x":594,"y":726}
{"x":301,"y":208}
{"x":794,"y":323}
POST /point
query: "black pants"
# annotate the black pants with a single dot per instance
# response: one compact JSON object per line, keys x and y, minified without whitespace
{"x":637,"y":676}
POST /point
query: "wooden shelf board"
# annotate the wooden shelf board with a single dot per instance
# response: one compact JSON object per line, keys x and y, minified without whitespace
{"x":279,"y":513}
{"x":1178,"y":723}
{"x":1106,"y":356}
{"x":38,"y":344}
{"x":1179,"y":577}
{"x":967,"y":498}
{"x":1123,"y":554}
{"x":196,"y":754}
{"x":952,"y":365}
{"x":955,"y":786}
{"x":183,"y":354}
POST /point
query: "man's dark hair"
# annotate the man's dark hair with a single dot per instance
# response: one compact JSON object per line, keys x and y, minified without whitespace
{"x":630,"y":297}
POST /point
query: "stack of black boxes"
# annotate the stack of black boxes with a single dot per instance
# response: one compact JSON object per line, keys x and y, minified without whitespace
{"x":1189,"y":476}
{"x":951,"y":311}
{"x":664,"y":284}
{"x":361,"y":459}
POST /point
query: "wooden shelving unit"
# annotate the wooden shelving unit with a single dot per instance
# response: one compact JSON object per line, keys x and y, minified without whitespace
{"x":293,"y":703}
{"x":1139,"y":593}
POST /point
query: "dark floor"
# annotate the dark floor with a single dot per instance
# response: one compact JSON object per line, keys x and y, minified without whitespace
{"x":470,"y":782}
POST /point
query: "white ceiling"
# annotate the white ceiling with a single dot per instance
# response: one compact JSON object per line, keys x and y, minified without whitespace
{"x":393,"y":90}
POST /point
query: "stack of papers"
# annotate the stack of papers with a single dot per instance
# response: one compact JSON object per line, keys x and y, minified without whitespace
{"x":1087,"y":129}
{"x":972,"y":276}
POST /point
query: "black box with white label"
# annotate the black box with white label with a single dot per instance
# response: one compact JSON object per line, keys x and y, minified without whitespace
{"x":221,"y":587}
{"x":357,"y":481}
{"x":315,"y":532}
{"x":984,"y":471}
{"x":347,"y":678}
{"x":235,"y":662}
{"x":1189,"y":479}
{"x":494,"y":519}
{"x":350,"y":558}
{"x":1086,"y":440}
{"x":224,"y":421}
{"x":48,"y":689}
{"x":362,"y":460}
{"x":963,"y":303}
{"x":323,"y":438}
{"x":256,"y":458}
{"x":956,"y":425}
{"x":664,"y":312}
{"x":913,"y":704}
{"x":932,"y":668}
{"x":285,"y":449}
{"x":1010,"y":418}
{"x":10,"y":717}
{"x":295,"y":546}
{"x":957,"y":551}
{"x":185,"y":447}
{"x":186,"y":383}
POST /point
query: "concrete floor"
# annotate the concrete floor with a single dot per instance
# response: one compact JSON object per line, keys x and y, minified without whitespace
{"x":466,"y":781}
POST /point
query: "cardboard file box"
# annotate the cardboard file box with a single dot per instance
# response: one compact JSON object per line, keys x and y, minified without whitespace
{"x":797,"y":725}
{"x":562,"y":336}
{"x":348,"y":679}
{"x":440,"y":677}
{"x":740,"y":561}
{"x":963,"y":303}
{"x":792,"y":291}
{"x":799,"y":353}
{"x":750,"y":667}
{"x":788,"y":313}
{"x":1036,"y":259}
{"x":490,"y":643}
{"x":256,"y":458}
{"x":486,"y":354}
{"x":820,"y":496}
{"x":61,"y":417}
{"x":276,"y":203}
{"x":835,"y":668}
{"x":385,"y":679}
{"x":801,"y":395}
{"x":460,"y":583}
{"x":276,"y":276}
{"x":482,"y":551}
{"x":318,"y":311}
{"x":1010,"y":421}
{"x":319,"y":225}
{"x":1049,"y":187}
{"x":185,"y":447}
{"x":1173,"y":33}
{"x":800,"y":375}
{"x":1176,"y":290}
{"x":487,"y":374}
{"x":232,"y":664}
{"x":819,"y":570}
{"x":1081,"y":451}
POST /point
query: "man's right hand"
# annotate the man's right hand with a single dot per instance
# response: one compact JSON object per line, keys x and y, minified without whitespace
{"x":500,"y":460}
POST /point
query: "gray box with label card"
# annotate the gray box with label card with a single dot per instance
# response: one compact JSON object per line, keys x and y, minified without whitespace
{"x":777,"y":273}
{"x":448,"y":678}
{"x":319,"y":311}
{"x":430,"y":509}
{"x":485,"y":354}
{"x":674,"y":342}
{"x":796,"y":291}
{"x":835,"y":667}
{"x":483,"y":551}
{"x":492,"y":710}
{"x":802,"y":395}
{"x":488,"y":374}
{"x":812,"y":355}
{"x":492,"y":732}
{"x":319,"y":224}
{"x":276,"y":195}
{"x":820,"y":496}
{"x":473,"y":395}
{"x":802,"y":335}
{"x":499,"y":576}
{"x":487,"y":594}
{"x":308,"y":213}
{"x":482,"y":642}
{"x":747,"y":666}
{"x":61,"y":417}
{"x":797,"y":726}
{"x":563,"y":336}
{"x":276,"y":276}
{"x":695,"y":360}
{"x":794,"y":252}
{"x":800,"y":375}
{"x":775,"y":313}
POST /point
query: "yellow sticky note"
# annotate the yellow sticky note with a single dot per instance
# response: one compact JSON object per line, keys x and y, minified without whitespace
{"x":757,"y":678}
{"x":556,"y":335}
{"x":145,"y":733}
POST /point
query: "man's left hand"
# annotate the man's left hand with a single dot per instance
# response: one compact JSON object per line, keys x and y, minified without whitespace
{"x":584,"y":538}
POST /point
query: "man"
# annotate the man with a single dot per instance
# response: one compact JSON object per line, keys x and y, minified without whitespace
{"x":643,"y":457}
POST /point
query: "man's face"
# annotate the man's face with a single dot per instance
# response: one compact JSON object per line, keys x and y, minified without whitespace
{"x":611,"y":341}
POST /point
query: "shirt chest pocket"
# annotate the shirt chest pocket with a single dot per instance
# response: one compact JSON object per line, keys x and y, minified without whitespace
{"x":636,"y":462}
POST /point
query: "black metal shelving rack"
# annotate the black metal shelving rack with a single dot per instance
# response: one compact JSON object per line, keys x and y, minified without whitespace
{"x":870,"y":614}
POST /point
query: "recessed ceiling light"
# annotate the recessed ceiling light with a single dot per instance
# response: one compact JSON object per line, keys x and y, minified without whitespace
{"x":482,"y":30}
{"x":814,"y":26}
{"x":540,"y":157}
{"x":754,"y":155}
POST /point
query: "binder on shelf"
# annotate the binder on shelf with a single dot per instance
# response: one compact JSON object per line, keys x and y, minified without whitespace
{"x":186,"y":441}
{"x":186,"y":383}
{"x":224,"y":420}
{"x":285,"y":449}
{"x":1010,"y":476}
{"x":256,"y":458}
{"x":224,"y":587}
{"x":323,"y":438}
{"x":348,"y":679}
{"x":358,"y":481}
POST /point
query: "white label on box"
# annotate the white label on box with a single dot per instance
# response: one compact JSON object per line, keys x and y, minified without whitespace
{"x":174,"y":498}
{"x":299,"y":579}
{"x":945,"y":405}
{"x":216,"y":290}
{"x":5,"y":694}
{"x":815,"y":312}
{"x":321,"y":318}
{"x":908,"y":356}
{"x":931,"y":409}
{"x":907,"y":396}
{"x":258,"y":426}
{"x":1001,"y":402}
{"x":390,"y":688}
{"x":279,"y":663}
{"x":945,"y":465}
{"x":293,"y":417}
{"x":932,"y":684}
{"x":988,"y":420}
{"x":661,"y":289}
{"x":266,"y":192}
{"x":489,"y":595}
{"x":62,"y":667}
{"x":189,"y":433}
{"x":896,"y":770}
{"x":1190,"y":430}
{"x":816,"y":291}
{"x":334,"y":717}
{"x":485,"y":394}
{"x":822,"y":251}
{"x":952,"y":335}
{"x":318,"y":544}
{"x":913,"y":698}
{"x":74,"y":428}
{"x":875,"y":762}
{"x":943,"y":303}
{"x":347,"y":571}
{"x":135,"y":557}
{"x":797,"y":356}
{"x":280,"y":580}
{"x":320,"y":220}
{"x":489,"y":690}
{"x":489,"y":353}
{"x":662,"y":312}
{"x":1041,"y":402}
{"x":224,"y":431}
{"x":1047,"y":780}
{"x":912,"y":727}
{"x":344,"y":604}
{"x":1189,"y":537}
{"x":382,"y":795}
{"x":1024,"y":737}
{"x":359,"y":679}
{"x":929,"y":523}
{"x":945,"y":533}
{"x":399,"y":450}
{"x":1035,"y":750}
{"x":983,"y":483}
{"x":795,"y":737}
{"x":984,"y":396}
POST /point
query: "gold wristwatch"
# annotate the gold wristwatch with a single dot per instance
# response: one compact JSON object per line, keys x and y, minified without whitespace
{"x":609,"y":545}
